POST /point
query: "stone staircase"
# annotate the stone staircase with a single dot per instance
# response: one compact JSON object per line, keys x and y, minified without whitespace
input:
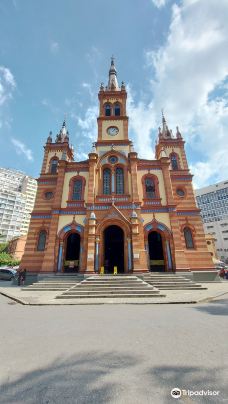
{"x":167,"y":281}
{"x":55,"y":283}
{"x":109,"y":286}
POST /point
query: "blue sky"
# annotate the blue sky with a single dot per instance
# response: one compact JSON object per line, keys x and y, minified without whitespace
{"x":171,"y":55}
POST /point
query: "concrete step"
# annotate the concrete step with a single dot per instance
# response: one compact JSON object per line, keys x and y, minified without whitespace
{"x":173,"y":283}
{"x":106,"y":286}
{"x":108,"y":295}
{"x":112,"y":284}
{"x":55,"y":284}
{"x":165,"y":278}
{"x":181,"y":288}
{"x":44,"y":289}
{"x":89,"y":288}
{"x":117,"y":292}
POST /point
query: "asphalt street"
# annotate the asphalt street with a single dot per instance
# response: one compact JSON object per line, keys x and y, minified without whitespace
{"x":112,"y":353}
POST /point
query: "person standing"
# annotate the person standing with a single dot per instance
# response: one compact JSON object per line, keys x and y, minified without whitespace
{"x":23,"y":276}
{"x":20,"y":275}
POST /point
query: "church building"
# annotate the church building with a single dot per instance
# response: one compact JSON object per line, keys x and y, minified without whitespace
{"x":115,"y":209}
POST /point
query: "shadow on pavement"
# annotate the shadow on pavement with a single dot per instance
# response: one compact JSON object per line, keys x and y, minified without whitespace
{"x":216,"y":308}
{"x":79,"y":379}
{"x":190,"y":378}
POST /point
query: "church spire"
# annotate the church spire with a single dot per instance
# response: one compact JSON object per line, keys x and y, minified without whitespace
{"x":165,"y":133}
{"x":112,"y":82}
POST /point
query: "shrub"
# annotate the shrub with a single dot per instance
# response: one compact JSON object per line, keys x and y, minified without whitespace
{"x":7,"y":259}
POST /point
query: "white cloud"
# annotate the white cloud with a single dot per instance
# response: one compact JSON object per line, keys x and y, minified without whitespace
{"x":140,"y":125}
{"x":87,"y":131}
{"x":54,"y":47}
{"x":188,"y":67}
{"x":159,"y":3}
{"x":88,"y":87}
{"x":7,"y":84}
{"x":21,"y":149}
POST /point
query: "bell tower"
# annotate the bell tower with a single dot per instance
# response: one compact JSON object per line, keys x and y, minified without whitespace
{"x":171,"y":146}
{"x":112,"y":120}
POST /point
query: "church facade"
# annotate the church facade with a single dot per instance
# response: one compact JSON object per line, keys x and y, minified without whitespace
{"x":115,"y":209}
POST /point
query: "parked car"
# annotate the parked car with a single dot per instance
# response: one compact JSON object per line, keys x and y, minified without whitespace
{"x":8,"y":274}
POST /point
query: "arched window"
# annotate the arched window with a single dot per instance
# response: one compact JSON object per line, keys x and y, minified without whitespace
{"x":107,"y":181}
{"x":77,"y":190}
{"x":119,"y":181}
{"x":53,"y":166}
{"x":41,"y":240}
{"x":107,"y":110}
{"x":150,"y":188}
{"x":117,"y":110}
{"x":174,"y":161}
{"x":188,"y":238}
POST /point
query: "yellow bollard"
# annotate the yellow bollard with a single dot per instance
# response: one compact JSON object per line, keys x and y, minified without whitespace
{"x":115,"y":271}
{"x":102,"y":271}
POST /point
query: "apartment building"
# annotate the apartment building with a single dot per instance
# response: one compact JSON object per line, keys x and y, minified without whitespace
{"x":213,"y":202}
{"x":17,"y":197}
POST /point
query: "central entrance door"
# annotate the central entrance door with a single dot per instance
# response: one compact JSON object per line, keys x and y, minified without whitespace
{"x":156,"y":253}
{"x":113,"y":249}
{"x":72,"y":256}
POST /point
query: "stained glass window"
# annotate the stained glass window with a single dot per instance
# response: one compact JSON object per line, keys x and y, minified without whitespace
{"x":107,"y":181}
{"x":119,"y":181}
{"x":150,"y":188}
{"x":77,"y":190}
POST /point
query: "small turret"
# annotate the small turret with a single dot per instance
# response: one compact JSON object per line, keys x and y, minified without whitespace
{"x":178,"y":134}
{"x":49,"y":139}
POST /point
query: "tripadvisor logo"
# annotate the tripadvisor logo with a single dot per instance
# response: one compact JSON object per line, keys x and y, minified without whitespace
{"x":176,"y":393}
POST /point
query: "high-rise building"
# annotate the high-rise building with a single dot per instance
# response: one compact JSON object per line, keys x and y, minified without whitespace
{"x":115,"y":209}
{"x":213,"y":202}
{"x":17,"y":197}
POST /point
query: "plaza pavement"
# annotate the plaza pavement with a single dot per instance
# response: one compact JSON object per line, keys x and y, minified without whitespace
{"x":113,"y":354}
{"x":30,"y":297}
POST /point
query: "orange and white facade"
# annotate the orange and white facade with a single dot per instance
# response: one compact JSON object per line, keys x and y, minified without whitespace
{"x":115,"y":209}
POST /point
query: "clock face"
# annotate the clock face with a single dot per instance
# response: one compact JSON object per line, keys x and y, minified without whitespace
{"x":112,"y":130}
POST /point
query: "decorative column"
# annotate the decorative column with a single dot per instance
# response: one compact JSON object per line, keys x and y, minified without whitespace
{"x":133,"y":157}
{"x":129,"y":253}
{"x":91,"y":183}
{"x":60,"y":257}
{"x":169,"y":256}
{"x":91,"y":243}
{"x":97,"y":254}
{"x":113,"y":181}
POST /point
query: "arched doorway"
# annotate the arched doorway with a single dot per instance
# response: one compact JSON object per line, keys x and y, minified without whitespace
{"x":156,"y":252}
{"x":72,"y":253}
{"x":113,"y":249}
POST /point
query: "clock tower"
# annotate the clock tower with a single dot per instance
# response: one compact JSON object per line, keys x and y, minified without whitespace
{"x":112,"y":120}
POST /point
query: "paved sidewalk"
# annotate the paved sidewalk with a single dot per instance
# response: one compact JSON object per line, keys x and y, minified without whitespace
{"x":172,"y":296}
